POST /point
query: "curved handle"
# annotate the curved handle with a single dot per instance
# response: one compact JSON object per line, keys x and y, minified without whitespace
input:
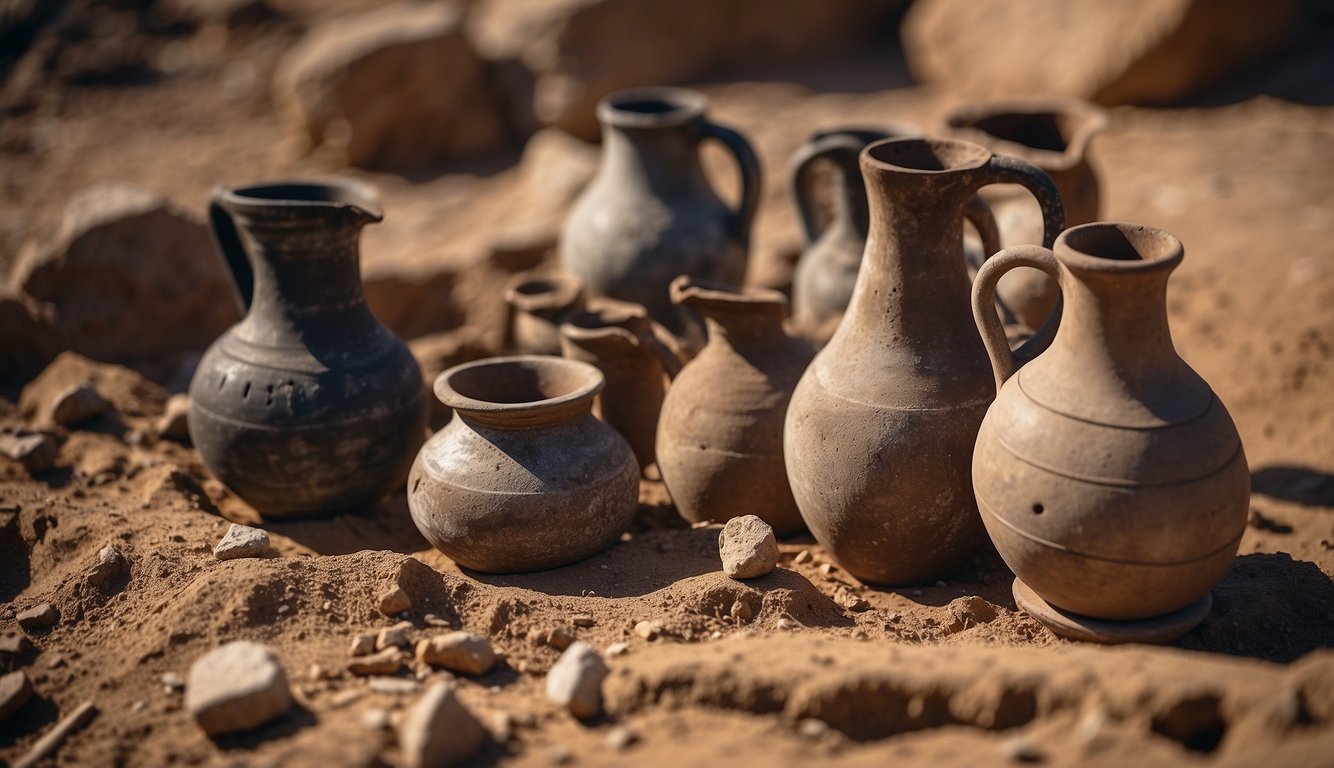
{"x":1004,"y":362}
{"x":978,"y":213}
{"x":1001,"y":169}
{"x":841,"y":149}
{"x":749,"y":164}
{"x":227,"y":240}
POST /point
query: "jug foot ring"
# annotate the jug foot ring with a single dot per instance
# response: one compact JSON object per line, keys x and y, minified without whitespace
{"x":1156,"y":630}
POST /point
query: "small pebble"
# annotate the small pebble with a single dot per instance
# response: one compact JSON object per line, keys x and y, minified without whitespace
{"x":236,"y":687}
{"x":618,"y":649}
{"x":172,"y":682}
{"x":386,"y":662}
{"x":394,"y":686}
{"x":747,"y":547}
{"x":243,"y":541}
{"x":827,"y":569}
{"x":394,"y":602}
{"x":559,"y":638}
{"x":575,"y":682}
{"x":1020,"y":749}
{"x":375,"y":719}
{"x":396,"y":636}
{"x":461,"y":652}
{"x":584,"y":620}
{"x":78,"y":404}
{"x":811,"y":728}
{"x":110,"y":565}
{"x":362,"y":645}
{"x":621,"y":738}
{"x":741,"y":611}
{"x":14,"y":644}
{"x":439,"y":730}
{"x":649,"y":630}
{"x":803,"y":557}
{"x":15,"y":690}
{"x":39,"y":616}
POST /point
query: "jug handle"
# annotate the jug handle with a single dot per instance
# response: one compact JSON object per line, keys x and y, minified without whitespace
{"x":227,"y":240}
{"x":799,"y":176}
{"x":749,"y":165}
{"x":1005,"y":362}
{"x":1001,"y":169}
{"x":978,"y":213}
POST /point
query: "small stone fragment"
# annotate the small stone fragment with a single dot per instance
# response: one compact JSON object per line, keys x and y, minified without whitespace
{"x":362,"y":645}
{"x":236,"y":687}
{"x":439,"y":730}
{"x":174,"y":423}
{"x":394,"y":602}
{"x":110,"y":565}
{"x":243,"y":541}
{"x":1020,"y":749}
{"x":827,"y":569}
{"x":39,"y":616}
{"x":37,"y":452}
{"x":803,"y":557}
{"x":559,"y":638}
{"x":375,"y":719}
{"x":621,"y":738}
{"x":741,"y":611}
{"x":15,"y":690}
{"x":14,"y":644}
{"x":461,"y":652}
{"x":394,"y":686}
{"x":78,"y":404}
{"x":649,"y":630}
{"x":584,"y":620}
{"x":385,"y":662}
{"x":396,"y":636}
{"x":575,"y":682}
{"x":172,"y":682}
{"x":748,"y":547}
{"x":618,"y":649}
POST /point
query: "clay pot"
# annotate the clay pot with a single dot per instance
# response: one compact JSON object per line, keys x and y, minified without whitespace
{"x":523,"y":478}
{"x":881,"y":426}
{"x":1054,"y":135}
{"x":1109,"y":475}
{"x":720,"y":436}
{"x":650,"y":214}
{"x":539,"y":304}
{"x":620,"y":340}
{"x":308,"y":405}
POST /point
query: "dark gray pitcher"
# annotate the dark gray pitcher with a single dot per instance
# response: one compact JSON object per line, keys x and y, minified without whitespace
{"x":308,"y":405}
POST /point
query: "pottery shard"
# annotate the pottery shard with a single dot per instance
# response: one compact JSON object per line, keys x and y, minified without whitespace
{"x":439,"y":730}
{"x":559,"y":57}
{"x":748,"y":547}
{"x":575,"y":681}
{"x":243,"y":541}
{"x":78,"y":404}
{"x":15,"y":690}
{"x":39,"y":616}
{"x":236,"y":687}
{"x":35,"y":451}
{"x":1131,"y":52}
{"x":394,"y":87}
{"x":129,"y":277}
{"x":461,"y":652}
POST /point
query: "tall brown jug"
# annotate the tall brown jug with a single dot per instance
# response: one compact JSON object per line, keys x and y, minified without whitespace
{"x":881,"y":427}
{"x":1109,"y":475}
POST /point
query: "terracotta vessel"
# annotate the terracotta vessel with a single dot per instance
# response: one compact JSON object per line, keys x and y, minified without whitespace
{"x":523,"y":478}
{"x":1055,"y":135}
{"x":1109,"y":475}
{"x":308,"y":405}
{"x":720,"y":436}
{"x":619,"y":339}
{"x":539,"y":304}
{"x":650,"y":214}
{"x":881,"y":426}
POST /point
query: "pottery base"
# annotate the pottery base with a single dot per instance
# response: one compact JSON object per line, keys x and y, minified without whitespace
{"x":1156,"y":630}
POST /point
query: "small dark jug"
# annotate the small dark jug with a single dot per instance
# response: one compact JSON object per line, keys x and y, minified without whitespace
{"x":308,"y":405}
{"x":650,"y":214}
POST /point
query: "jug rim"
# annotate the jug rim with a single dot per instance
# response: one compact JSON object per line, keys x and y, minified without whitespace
{"x":959,"y":156}
{"x":717,"y":294}
{"x":303,"y":193}
{"x":1118,"y":247}
{"x":571,"y":381}
{"x":656,"y":106}
{"x":554,"y":291}
{"x":963,"y":120}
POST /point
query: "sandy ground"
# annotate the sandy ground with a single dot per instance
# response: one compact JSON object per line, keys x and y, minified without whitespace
{"x":950,"y":674}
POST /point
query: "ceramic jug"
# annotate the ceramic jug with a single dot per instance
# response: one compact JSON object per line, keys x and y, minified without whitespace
{"x":1108,"y":473}
{"x":720,"y":436}
{"x":539,"y":304}
{"x":523,"y":478}
{"x":619,"y":339}
{"x":649,"y":213}
{"x":881,"y":427}
{"x":1055,"y":135}
{"x":308,"y":405}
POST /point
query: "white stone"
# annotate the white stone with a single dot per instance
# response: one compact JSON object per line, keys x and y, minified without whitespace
{"x":748,"y":547}
{"x":243,"y":541}
{"x":439,"y":730}
{"x":236,"y":687}
{"x":575,"y":682}
{"x":462,"y":652}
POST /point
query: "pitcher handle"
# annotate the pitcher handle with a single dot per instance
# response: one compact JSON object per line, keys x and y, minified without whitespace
{"x":978,"y":213}
{"x":1001,"y":169}
{"x":1004,"y":362}
{"x":227,"y":240}
{"x":749,"y":165}
{"x":800,"y":171}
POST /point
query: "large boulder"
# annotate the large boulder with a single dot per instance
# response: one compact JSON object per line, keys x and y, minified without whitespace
{"x":391,"y":88}
{"x":129,"y":278}
{"x":574,"y":52}
{"x":1129,"y":52}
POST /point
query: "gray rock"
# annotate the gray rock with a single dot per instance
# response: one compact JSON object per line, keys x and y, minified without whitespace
{"x":394,"y":87}
{"x":39,"y":616}
{"x":78,"y":404}
{"x":174,"y":423}
{"x":575,"y":681}
{"x":36,"y":451}
{"x":243,"y":541}
{"x":15,"y":690}
{"x":439,"y":730}
{"x":461,"y":652}
{"x":110,"y":565}
{"x":748,"y":547}
{"x":236,"y":687}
